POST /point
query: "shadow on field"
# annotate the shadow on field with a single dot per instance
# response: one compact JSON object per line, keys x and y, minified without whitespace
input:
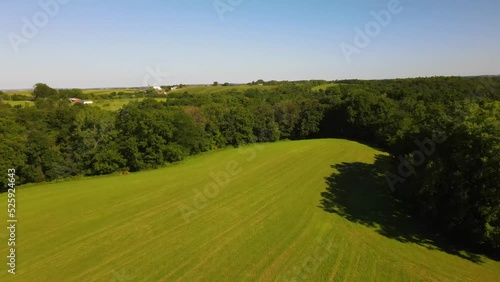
{"x":360,"y":193}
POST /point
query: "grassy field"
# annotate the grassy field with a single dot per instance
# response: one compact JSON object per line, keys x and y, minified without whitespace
{"x":309,"y":210}
{"x":85,"y":91}
{"x":111,"y":105}
{"x":109,"y":91}
{"x":200,"y":89}
{"x":20,"y":103}
{"x":116,"y":104}
{"x":219,"y":89}
{"x":21,"y":92}
{"x":324,"y":86}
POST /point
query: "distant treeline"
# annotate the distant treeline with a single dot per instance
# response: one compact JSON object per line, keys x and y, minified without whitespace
{"x":443,"y":131}
{"x":78,"y":93}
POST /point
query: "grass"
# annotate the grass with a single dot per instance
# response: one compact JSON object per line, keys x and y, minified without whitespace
{"x":324,"y":86}
{"x":219,"y":89}
{"x":309,"y":209}
{"x":21,"y":92}
{"x":109,"y":91}
{"x":116,"y":104}
{"x":199,"y":89}
{"x":20,"y":103}
{"x":111,"y":105}
{"x":85,"y":91}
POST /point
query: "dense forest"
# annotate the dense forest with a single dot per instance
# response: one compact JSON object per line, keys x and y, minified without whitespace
{"x":443,"y":135}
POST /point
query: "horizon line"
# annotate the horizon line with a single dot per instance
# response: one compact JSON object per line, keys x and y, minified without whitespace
{"x":244,"y":83}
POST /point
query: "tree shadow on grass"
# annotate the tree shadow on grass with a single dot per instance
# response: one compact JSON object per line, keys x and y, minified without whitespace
{"x":360,"y":193}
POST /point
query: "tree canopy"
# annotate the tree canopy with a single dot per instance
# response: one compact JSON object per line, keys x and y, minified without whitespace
{"x":453,"y":184}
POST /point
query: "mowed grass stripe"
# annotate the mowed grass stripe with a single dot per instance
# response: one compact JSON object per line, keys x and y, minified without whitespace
{"x":94,"y":220}
{"x":264,"y":224}
{"x":239,"y":198}
{"x":307,"y":156}
{"x":259,"y":185}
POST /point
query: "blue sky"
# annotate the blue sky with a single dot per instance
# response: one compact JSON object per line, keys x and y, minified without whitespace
{"x":104,"y":43}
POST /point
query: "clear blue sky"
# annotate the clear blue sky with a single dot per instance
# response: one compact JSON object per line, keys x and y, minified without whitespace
{"x":104,"y":43}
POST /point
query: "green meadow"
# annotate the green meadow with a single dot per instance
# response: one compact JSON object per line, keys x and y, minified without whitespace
{"x":109,"y":91}
{"x":324,"y":86}
{"x":203,"y":89}
{"x":85,"y":91}
{"x":316,"y":210}
{"x":116,"y":104}
{"x":19,"y":103}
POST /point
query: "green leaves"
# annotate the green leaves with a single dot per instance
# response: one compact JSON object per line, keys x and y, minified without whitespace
{"x":457,"y":187}
{"x":42,"y":90}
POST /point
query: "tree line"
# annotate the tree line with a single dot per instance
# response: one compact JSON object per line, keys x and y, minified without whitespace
{"x":456,"y":189}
